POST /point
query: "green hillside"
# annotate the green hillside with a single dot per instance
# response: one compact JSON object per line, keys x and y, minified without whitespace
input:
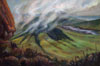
{"x":95,"y":24}
{"x":65,"y":49}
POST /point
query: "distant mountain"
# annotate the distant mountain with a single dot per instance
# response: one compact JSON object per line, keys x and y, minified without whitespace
{"x":93,"y":25}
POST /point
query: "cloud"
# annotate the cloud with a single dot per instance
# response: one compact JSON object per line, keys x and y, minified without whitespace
{"x":49,"y":12}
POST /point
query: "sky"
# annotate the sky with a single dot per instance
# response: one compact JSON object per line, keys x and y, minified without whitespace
{"x":49,"y":10}
{"x":81,"y":6}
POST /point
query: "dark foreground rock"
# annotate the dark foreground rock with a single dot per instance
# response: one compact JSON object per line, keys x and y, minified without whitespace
{"x":28,"y":57}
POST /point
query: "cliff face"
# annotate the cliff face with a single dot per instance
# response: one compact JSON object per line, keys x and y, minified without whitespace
{"x":7,"y":26}
{"x":6,"y":18}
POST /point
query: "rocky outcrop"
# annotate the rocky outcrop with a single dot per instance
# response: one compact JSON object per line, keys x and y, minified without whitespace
{"x":7,"y":27}
{"x":6,"y":16}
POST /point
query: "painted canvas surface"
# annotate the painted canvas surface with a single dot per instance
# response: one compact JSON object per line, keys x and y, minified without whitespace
{"x":49,"y":32}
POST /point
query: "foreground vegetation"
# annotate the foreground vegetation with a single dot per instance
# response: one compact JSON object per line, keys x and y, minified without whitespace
{"x":29,"y":57}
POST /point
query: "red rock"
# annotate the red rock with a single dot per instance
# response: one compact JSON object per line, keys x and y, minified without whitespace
{"x":7,"y":25}
{"x":6,"y":17}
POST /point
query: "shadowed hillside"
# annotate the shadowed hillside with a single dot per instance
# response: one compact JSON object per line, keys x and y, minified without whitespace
{"x":92,"y":25}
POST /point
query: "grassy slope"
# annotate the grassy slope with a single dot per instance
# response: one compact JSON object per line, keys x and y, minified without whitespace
{"x":65,"y":49}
